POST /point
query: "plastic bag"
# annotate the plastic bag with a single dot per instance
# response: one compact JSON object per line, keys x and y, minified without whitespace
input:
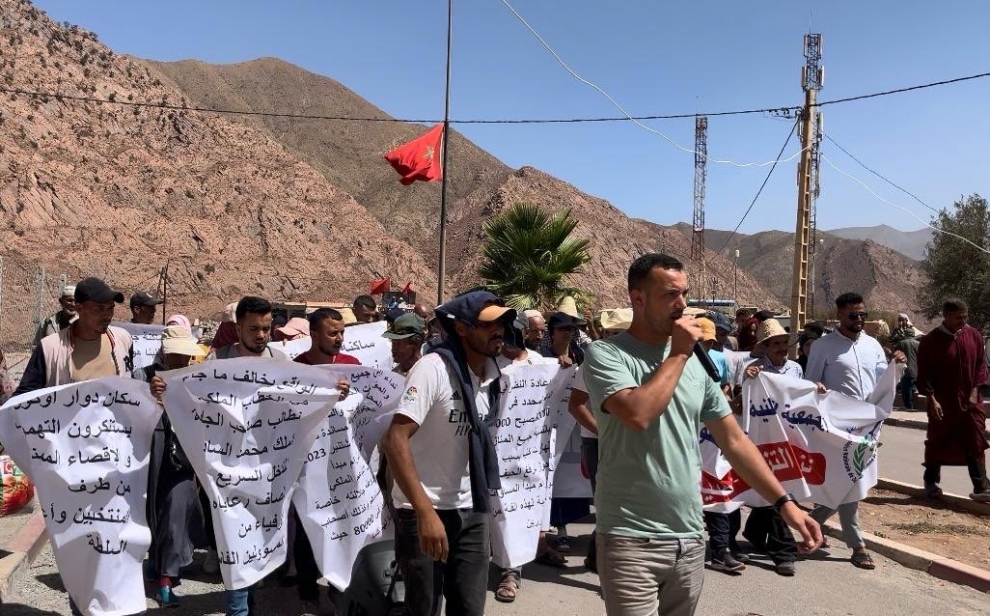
{"x":16,"y":490}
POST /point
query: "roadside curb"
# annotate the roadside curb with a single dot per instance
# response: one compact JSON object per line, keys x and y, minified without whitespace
{"x":916,"y":424}
{"x":956,"y":500}
{"x":937,"y":566}
{"x":22,"y":549}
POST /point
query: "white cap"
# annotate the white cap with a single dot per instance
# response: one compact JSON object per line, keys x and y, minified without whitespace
{"x":69,"y":289}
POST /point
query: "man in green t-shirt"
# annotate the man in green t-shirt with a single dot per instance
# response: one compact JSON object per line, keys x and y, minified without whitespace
{"x":649,"y":398}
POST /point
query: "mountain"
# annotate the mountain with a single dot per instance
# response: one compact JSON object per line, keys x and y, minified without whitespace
{"x":887,"y":279}
{"x":118,"y":192}
{"x":909,"y":243}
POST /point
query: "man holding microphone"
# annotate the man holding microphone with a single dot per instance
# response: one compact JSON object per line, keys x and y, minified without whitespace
{"x":649,"y":398}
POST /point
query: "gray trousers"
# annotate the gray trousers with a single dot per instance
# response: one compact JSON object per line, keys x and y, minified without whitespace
{"x":647,"y":577}
{"x":852,"y":534}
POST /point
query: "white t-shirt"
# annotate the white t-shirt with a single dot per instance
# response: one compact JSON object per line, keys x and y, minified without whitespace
{"x":439,"y":447}
{"x":532,"y":358}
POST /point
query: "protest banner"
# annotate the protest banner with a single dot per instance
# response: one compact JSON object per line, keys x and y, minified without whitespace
{"x":363,"y":341}
{"x":821,"y":447}
{"x":338,"y":499}
{"x":533,"y":409}
{"x":86,"y":447}
{"x":147,"y":341}
{"x":246,"y":425}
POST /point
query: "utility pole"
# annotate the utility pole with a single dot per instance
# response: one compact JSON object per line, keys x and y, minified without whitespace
{"x":735,"y":285}
{"x":442,"y":265}
{"x":812,"y":77}
{"x":700,"y":176}
{"x":39,"y":297}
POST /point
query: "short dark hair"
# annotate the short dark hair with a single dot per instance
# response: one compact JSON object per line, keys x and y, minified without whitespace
{"x":744,"y":313}
{"x":954,"y":304}
{"x":640,"y":269}
{"x":318,"y":316}
{"x":848,"y":299}
{"x":763,"y":315}
{"x":252,"y":304}
{"x":365,"y":300}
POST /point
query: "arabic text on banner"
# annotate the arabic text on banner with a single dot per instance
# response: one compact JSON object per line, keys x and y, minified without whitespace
{"x":821,"y":447}
{"x":338,"y":498}
{"x":86,"y":447}
{"x":246,"y":426}
{"x":533,"y":411}
{"x":363,"y":341}
{"x":147,"y":341}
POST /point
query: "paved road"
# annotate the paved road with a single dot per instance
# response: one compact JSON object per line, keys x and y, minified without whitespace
{"x":824,"y":585}
{"x":902,"y":454}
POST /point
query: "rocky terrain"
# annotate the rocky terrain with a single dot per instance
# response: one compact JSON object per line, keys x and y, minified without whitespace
{"x":287,"y":208}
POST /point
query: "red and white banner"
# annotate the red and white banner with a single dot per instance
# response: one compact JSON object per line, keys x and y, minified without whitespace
{"x":821,"y":447}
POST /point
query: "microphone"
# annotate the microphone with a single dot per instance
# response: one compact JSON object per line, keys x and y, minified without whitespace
{"x":706,"y":361}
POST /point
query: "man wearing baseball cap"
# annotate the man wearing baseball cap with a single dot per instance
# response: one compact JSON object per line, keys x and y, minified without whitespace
{"x":407,"y":335}
{"x":88,"y":349}
{"x":441,"y":452}
{"x":143,"y":308}
{"x":61,"y":319}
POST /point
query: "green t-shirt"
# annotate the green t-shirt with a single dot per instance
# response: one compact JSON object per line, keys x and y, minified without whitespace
{"x":649,"y":482}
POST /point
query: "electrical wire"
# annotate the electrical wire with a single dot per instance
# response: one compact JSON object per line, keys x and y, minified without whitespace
{"x":622,"y":109}
{"x":876,"y":173}
{"x":902,"y":208}
{"x":760,"y":191}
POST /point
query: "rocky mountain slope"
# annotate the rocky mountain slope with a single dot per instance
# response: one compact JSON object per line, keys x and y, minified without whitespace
{"x":911,"y":244}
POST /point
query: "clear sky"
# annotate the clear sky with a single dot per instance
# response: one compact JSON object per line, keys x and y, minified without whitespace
{"x":654,"y":57}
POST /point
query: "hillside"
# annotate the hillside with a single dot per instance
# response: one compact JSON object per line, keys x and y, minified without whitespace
{"x":115,"y":191}
{"x":349,"y":154}
{"x":886,"y":278}
{"x":909,"y":243}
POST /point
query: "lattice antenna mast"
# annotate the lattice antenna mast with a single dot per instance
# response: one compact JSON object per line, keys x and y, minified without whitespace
{"x":700,"y":176}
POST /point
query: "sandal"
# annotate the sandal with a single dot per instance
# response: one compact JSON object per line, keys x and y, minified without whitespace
{"x":563,"y":545}
{"x":508,"y":587}
{"x":863,"y":560}
{"x":551,"y":558}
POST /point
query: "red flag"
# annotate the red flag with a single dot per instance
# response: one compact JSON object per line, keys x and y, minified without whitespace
{"x":380,"y":285}
{"x":407,"y":289}
{"x":420,"y":158}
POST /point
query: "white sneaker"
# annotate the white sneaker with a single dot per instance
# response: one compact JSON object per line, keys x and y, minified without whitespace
{"x":981,"y":497}
{"x":211,"y":564}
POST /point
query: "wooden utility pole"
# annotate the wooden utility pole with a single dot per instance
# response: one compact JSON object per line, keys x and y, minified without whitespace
{"x":811,"y":81}
{"x":442,"y":265}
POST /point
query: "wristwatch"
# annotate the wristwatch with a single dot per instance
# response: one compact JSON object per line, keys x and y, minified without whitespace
{"x":780,"y":502}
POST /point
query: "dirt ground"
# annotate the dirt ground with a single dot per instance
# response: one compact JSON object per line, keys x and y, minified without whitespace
{"x":928,"y":525}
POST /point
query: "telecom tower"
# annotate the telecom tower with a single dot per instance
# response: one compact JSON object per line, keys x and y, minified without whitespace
{"x":700,"y":175}
{"x":812,"y":79}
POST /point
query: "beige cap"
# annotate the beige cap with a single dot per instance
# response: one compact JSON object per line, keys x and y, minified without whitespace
{"x":295,"y":327}
{"x":176,"y":340}
{"x":707,"y":328}
{"x":348,"y":314}
{"x":492,"y":313}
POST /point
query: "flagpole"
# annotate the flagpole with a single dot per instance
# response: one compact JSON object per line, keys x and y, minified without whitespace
{"x":442,"y":266}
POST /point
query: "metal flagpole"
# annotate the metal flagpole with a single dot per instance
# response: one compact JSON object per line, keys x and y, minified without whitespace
{"x":442,"y":266}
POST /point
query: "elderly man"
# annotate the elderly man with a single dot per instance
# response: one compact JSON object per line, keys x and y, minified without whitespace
{"x":443,"y":503}
{"x":649,"y":396}
{"x":952,"y":366}
{"x":536,"y":329}
{"x":407,"y":334}
{"x":61,"y":319}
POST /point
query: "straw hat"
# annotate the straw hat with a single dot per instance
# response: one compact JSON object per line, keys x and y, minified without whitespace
{"x":569,"y":307}
{"x":771,"y":328}
{"x":178,"y":341}
{"x":616,"y":318}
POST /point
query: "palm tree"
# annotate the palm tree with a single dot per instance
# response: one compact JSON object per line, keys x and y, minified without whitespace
{"x":529,"y":253}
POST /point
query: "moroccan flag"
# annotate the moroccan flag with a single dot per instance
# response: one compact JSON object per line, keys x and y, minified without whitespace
{"x":407,"y":289}
{"x":380,"y":285}
{"x":420,"y":158}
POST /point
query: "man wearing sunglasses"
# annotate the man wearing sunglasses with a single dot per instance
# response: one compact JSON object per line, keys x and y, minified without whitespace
{"x":851,"y":362}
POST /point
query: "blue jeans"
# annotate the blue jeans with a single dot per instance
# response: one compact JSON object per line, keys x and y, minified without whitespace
{"x":240,"y":602}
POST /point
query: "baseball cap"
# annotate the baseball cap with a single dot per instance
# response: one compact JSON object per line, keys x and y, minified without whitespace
{"x":176,"y":340}
{"x":406,"y":326}
{"x":707,"y":328}
{"x":142,"y":298}
{"x":559,"y":320}
{"x":474,"y":307}
{"x":94,"y":289}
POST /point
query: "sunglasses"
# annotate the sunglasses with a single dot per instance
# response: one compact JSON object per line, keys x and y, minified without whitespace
{"x":856,"y":316}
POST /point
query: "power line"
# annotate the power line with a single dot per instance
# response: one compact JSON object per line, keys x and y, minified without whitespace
{"x":877,"y":173}
{"x":762,"y":186}
{"x":780,"y":111}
